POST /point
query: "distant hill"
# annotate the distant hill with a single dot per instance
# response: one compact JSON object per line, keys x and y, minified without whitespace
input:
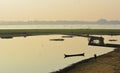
{"x":101,"y":21}
{"x":104,"y":21}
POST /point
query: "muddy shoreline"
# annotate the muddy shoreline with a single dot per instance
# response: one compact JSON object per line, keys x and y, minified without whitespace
{"x":107,"y":63}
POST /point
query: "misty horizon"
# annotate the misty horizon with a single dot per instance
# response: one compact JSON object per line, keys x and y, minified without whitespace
{"x":100,"y":21}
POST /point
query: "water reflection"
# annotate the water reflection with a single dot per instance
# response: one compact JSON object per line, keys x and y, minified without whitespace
{"x":37,"y":54}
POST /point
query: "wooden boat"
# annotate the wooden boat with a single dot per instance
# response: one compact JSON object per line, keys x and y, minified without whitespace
{"x":69,"y":36}
{"x":112,"y":40}
{"x":56,"y":39}
{"x":82,"y":54}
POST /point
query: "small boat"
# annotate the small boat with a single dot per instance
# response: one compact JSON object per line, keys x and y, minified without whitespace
{"x":56,"y":39}
{"x":112,"y":40}
{"x":82,"y":54}
{"x":69,"y":36}
{"x":6,"y":37}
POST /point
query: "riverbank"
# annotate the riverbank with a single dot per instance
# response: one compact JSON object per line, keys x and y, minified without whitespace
{"x":107,"y":63}
{"x":10,"y":33}
{"x":61,"y":31}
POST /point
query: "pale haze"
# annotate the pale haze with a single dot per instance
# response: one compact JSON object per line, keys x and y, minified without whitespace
{"x":25,"y":10}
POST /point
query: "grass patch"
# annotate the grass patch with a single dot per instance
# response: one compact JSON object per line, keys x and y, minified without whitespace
{"x":64,"y":31}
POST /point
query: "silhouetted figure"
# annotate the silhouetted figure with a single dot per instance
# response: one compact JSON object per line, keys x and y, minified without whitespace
{"x":95,"y":56}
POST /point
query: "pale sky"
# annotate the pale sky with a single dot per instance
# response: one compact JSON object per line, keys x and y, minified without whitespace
{"x":24,"y":10}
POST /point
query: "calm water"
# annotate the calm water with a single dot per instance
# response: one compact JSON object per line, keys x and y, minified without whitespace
{"x":62,"y":26}
{"x":37,"y":54}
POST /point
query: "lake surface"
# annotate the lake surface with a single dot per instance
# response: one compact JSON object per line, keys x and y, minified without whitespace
{"x":60,"y":26}
{"x":37,"y":54}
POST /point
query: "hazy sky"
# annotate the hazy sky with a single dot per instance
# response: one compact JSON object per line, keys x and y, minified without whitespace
{"x":18,"y":10}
